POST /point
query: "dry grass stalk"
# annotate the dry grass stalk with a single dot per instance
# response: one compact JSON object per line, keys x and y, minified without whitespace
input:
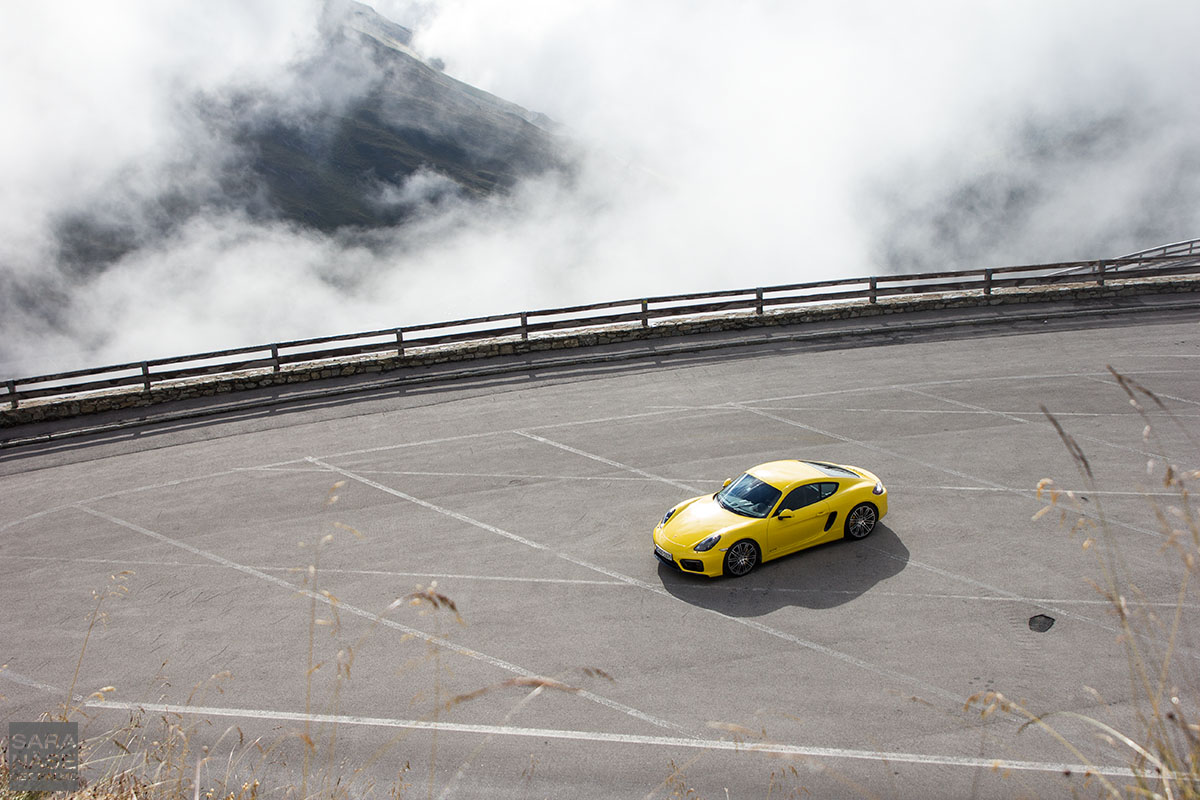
{"x":1164,"y":753}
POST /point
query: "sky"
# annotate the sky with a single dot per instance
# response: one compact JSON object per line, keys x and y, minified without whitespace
{"x":721,"y":145}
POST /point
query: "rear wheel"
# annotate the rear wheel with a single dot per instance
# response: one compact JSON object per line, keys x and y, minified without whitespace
{"x":861,"y":521}
{"x":741,"y":558}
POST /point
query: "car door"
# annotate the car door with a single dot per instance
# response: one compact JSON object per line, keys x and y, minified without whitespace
{"x":799,"y":519}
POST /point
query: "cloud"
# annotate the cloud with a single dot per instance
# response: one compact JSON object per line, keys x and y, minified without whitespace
{"x":814,"y":136}
{"x":721,"y":146}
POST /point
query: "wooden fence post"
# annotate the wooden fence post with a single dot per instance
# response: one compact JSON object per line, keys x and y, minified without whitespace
{"x":987,"y":281}
{"x":645,"y":313}
{"x":873,"y":290}
{"x":1100,"y":273}
{"x":12,"y":393}
{"x":146,"y":377}
{"x":524,"y":326}
{"x":275,"y":358}
{"x":399,"y":342}
{"x":758,"y":301}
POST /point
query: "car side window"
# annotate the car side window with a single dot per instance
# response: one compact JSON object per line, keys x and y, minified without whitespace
{"x":827,"y":490}
{"x":801,"y":496}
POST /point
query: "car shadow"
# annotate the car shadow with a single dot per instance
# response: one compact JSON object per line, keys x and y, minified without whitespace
{"x":826,"y":576}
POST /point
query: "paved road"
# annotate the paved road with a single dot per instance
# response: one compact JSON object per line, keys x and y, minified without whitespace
{"x":577,"y":666}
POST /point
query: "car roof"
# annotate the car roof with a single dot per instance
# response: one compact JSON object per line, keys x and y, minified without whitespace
{"x":784,"y":473}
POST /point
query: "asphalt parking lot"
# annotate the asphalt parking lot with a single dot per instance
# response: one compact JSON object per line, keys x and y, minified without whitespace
{"x":575,"y":664}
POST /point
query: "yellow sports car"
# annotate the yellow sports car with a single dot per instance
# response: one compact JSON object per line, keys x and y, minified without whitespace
{"x":772,"y":510}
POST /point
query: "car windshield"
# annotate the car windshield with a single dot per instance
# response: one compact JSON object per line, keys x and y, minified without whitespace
{"x":749,"y":497}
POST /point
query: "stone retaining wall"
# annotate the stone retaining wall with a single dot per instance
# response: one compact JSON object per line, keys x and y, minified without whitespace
{"x":113,"y":399}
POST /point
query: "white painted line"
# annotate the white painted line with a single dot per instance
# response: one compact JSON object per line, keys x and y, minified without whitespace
{"x":911,"y":561}
{"x":937,"y":468}
{"x":749,"y":623}
{"x":114,"y":561}
{"x":456,"y":576}
{"x":315,"y":470}
{"x":967,"y":406}
{"x":763,"y":747}
{"x":660,"y":410}
{"x":426,"y":504}
{"x":134,"y":490}
{"x":441,"y":440}
{"x":625,"y":584}
{"x":484,"y":434}
{"x":1081,"y":493}
{"x":1006,"y":598}
{"x":951,"y":411}
{"x":901,"y":386}
{"x":609,"y":462}
{"x":621,"y":418}
{"x":342,"y":606}
{"x":877,"y":449}
{"x":1039,"y":419}
{"x":1160,"y":394}
{"x":326,"y":570}
{"x":499,"y":475}
{"x":24,"y":680}
{"x":952,"y":382}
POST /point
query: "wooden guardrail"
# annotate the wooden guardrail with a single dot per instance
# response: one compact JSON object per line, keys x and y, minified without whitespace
{"x":644,"y":311}
{"x":1189,"y":247}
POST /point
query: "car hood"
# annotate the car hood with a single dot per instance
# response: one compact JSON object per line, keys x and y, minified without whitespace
{"x":701,"y":517}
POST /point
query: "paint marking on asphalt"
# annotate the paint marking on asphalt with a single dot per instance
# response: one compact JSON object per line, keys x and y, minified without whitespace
{"x":760,"y":747}
{"x":497,"y":475}
{"x":1039,"y":418}
{"x":952,"y":382}
{"x":950,"y":411}
{"x":935,"y":467}
{"x":327,"y":570}
{"x":24,"y":680}
{"x":912,"y":562}
{"x":390,"y":623}
{"x":1158,"y":394}
{"x":484,"y":434}
{"x":753,"y":624}
{"x":965,"y":406}
{"x":427,"y":505}
{"x":1006,"y":490}
{"x":625,"y":584}
{"x":132,"y":490}
{"x":937,"y":570}
{"x":608,"y":461}
{"x":877,"y":449}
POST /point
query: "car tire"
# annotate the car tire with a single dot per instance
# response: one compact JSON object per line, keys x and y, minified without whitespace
{"x":741,"y":557}
{"x":861,"y":521}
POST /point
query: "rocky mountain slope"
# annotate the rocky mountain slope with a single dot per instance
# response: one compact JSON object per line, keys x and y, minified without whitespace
{"x":336,"y":148}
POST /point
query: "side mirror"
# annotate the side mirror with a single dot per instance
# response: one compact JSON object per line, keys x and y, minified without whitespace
{"x":727,"y":482}
{"x":784,"y":515}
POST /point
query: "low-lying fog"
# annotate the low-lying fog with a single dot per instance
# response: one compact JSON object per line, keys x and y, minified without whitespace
{"x":718,"y":145}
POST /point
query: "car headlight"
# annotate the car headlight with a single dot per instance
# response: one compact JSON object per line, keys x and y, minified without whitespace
{"x":668,"y":515}
{"x":708,"y":544}
{"x":878,"y":488}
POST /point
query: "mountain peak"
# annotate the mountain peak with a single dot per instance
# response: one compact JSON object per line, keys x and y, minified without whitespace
{"x":348,"y":15}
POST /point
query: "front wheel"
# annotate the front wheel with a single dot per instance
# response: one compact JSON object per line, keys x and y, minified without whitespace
{"x":861,"y":521}
{"x":741,"y":558}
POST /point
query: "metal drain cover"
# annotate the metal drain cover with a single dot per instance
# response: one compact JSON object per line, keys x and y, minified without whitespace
{"x":1040,"y":623}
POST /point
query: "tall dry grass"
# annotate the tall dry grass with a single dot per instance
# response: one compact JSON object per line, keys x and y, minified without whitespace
{"x":1161,"y":746}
